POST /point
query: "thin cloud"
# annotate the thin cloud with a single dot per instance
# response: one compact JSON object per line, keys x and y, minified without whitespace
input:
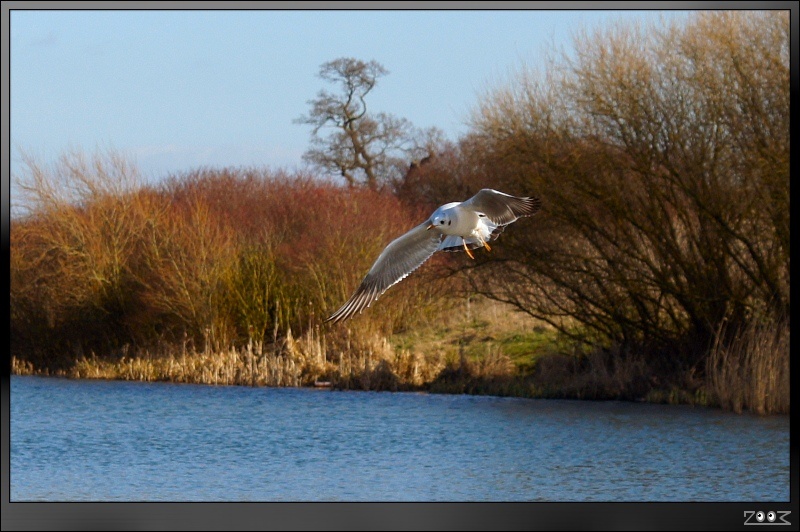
{"x":46,"y":41}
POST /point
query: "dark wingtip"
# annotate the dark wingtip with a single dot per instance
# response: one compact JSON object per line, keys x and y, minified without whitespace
{"x":337,"y":317}
{"x":361,"y":299}
{"x":532,"y":205}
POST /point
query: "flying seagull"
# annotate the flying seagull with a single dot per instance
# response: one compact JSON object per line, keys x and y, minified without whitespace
{"x":454,"y":226}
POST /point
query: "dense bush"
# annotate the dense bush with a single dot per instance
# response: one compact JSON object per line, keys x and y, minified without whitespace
{"x":211,"y":257}
{"x":662,"y":155}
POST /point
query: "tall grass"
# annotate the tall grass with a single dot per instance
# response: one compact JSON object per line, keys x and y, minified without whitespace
{"x":751,"y":371}
{"x":369,"y":364}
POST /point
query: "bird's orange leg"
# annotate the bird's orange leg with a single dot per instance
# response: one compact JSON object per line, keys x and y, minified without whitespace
{"x":487,"y":246}
{"x":467,"y":249}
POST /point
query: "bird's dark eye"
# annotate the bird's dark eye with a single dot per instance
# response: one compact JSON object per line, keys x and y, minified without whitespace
{"x":441,"y":223}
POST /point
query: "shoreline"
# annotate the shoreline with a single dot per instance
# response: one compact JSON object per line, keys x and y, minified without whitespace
{"x":487,"y":350}
{"x":663,"y":397}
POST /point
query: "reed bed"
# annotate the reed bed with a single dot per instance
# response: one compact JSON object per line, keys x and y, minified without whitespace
{"x":751,"y":372}
{"x":371,"y":364}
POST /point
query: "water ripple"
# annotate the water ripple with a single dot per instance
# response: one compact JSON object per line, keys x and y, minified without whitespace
{"x":106,"y":441}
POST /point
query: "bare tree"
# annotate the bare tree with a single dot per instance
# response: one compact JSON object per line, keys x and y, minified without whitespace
{"x":362,"y":147}
{"x":663,"y":158}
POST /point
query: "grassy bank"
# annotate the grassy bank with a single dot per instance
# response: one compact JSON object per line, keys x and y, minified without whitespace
{"x":481,"y":347}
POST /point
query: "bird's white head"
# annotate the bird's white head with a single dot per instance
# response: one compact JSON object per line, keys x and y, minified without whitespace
{"x":440,"y":219}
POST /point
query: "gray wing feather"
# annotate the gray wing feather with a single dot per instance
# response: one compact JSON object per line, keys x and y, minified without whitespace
{"x":500,"y":208}
{"x":401,"y":257}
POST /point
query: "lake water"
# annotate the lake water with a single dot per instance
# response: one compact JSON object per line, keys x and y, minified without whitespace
{"x":126,"y":441}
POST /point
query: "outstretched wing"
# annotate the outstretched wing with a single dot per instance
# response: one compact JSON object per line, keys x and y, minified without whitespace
{"x":501,"y":208}
{"x":404,"y":255}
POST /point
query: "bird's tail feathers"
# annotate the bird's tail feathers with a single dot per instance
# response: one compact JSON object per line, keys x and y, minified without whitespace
{"x":455,"y":243}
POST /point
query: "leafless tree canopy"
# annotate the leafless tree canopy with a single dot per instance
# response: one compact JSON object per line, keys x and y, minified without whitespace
{"x":364,"y":148}
{"x":662,"y":155}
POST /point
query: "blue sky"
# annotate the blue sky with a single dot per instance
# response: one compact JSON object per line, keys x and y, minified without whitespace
{"x":174,"y":90}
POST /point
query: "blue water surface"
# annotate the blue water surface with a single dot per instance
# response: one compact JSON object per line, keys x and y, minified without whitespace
{"x":79,"y":440}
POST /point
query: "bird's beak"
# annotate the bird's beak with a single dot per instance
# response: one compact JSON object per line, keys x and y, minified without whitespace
{"x":430,"y":227}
